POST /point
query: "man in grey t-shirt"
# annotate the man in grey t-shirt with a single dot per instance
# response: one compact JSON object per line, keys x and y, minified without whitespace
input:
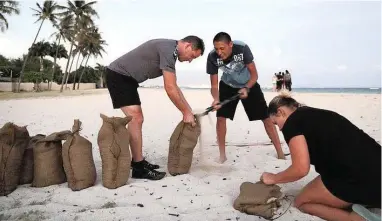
{"x":152,"y":59}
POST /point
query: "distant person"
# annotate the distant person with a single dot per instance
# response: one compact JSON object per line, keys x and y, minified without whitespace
{"x":151,"y":59}
{"x":279,"y":82}
{"x":288,"y":80}
{"x":274,"y":82}
{"x":235,"y":59}
{"x":347,"y":160}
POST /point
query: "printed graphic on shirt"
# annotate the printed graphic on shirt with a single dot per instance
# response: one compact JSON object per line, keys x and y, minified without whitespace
{"x":235,"y":72}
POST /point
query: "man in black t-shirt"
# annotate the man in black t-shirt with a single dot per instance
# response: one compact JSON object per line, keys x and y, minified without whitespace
{"x":235,"y":59}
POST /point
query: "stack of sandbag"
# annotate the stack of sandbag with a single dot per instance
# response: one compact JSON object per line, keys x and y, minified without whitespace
{"x":113,"y":142}
{"x":26,"y":175}
{"x":182,"y":144}
{"x":48,"y":165}
{"x":13,"y":141}
{"x":78,"y":160}
{"x":258,"y":199}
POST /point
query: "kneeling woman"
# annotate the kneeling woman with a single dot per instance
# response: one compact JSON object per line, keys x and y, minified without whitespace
{"x":347,"y":160}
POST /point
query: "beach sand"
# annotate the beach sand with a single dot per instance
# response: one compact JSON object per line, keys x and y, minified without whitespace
{"x":206,"y":193}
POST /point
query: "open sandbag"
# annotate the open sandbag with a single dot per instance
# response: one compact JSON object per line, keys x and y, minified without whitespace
{"x":182,"y":144}
{"x":13,"y":142}
{"x":26,"y":175}
{"x":258,"y":199}
{"x":78,"y":160}
{"x":48,"y":165}
{"x":113,"y":142}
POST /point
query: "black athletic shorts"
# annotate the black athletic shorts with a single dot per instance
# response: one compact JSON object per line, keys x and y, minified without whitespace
{"x":254,"y":105}
{"x":123,"y":89}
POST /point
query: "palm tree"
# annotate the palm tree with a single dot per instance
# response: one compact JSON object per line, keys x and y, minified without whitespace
{"x":82,"y":13}
{"x":64,"y":31}
{"x":7,"y":8}
{"x":43,"y":13}
{"x":100,"y":69}
{"x":58,"y":51}
{"x":40,"y":49}
{"x":94,"y":46}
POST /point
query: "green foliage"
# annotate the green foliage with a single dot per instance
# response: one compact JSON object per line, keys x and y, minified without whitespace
{"x":36,"y":76}
{"x":33,"y":66}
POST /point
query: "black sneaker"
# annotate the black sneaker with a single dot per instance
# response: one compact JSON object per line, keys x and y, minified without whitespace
{"x":146,"y":173}
{"x":146,"y":164}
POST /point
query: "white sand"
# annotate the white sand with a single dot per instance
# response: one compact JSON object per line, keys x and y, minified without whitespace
{"x":207,"y":193}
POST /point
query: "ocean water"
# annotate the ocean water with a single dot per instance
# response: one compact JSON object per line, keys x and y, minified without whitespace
{"x":335,"y":90}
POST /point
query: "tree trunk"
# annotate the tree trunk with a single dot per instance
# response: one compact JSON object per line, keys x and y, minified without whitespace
{"x":75,"y":73}
{"x":101,"y":80}
{"x":83,"y":71}
{"x":54,"y":65}
{"x":41,"y":64}
{"x":67,"y":77}
{"x":66,"y":69}
{"x":26,"y":58}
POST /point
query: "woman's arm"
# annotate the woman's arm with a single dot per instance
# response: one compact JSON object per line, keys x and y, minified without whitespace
{"x":300,"y":163}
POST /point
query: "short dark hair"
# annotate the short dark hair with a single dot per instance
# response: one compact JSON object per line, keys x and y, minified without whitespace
{"x":197,"y":43}
{"x":222,"y":36}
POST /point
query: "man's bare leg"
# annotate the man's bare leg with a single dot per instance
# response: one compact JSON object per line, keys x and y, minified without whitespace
{"x":270,"y":128}
{"x":141,"y":168}
{"x":221,"y":130}
{"x":135,"y":130}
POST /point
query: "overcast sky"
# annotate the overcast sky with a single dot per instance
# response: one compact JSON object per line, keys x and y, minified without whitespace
{"x":322,"y":43}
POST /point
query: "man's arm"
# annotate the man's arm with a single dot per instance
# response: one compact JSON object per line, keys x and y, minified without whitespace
{"x":174,"y":92}
{"x":214,"y":86}
{"x":212,"y":70}
{"x":248,"y":61}
{"x":253,"y":71}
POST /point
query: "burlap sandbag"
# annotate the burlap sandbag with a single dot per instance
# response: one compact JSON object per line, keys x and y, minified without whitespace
{"x":182,"y":144}
{"x":78,"y":160}
{"x":113,"y":142}
{"x":258,"y":199}
{"x":26,"y":175}
{"x":13,"y":142}
{"x":48,"y":165}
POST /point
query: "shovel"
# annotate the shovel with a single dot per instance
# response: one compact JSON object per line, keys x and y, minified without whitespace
{"x":209,"y":109}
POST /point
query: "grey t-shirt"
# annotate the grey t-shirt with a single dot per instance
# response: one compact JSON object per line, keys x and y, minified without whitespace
{"x":235,"y":71}
{"x":148,"y":60}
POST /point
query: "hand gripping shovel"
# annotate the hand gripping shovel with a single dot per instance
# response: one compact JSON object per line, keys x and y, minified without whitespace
{"x":209,"y":109}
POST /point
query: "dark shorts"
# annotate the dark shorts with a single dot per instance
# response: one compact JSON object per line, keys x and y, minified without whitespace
{"x":122,"y":88}
{"x":254,"y":105}
{"x":366,"y":192}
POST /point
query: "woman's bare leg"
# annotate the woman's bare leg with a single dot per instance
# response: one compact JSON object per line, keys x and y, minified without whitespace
{"x":316,"y":200}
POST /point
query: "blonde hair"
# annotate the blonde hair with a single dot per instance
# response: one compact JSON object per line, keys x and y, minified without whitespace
{"x":283,"y":99}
